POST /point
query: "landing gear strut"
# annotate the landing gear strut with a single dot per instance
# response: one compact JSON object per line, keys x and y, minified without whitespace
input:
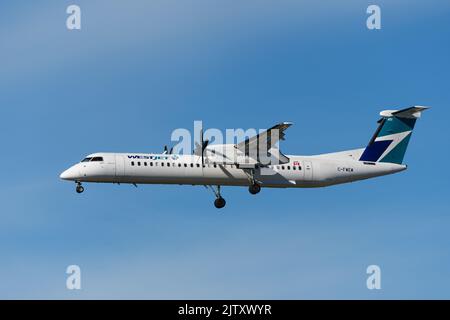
{"x":79,"y":188}
{"x":254,"y":188}
{"x":219,"y":202}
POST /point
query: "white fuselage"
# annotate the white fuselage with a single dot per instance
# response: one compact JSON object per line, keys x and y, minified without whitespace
{"x":300,"y":172}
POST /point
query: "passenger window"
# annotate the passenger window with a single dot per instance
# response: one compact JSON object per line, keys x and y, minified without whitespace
{"x":168,"y":164}
{"x":145,"y":164}
{"x":151,"y":164}
{"x":192,"y":165}
{"x":282,"y":167}
{"x":198,"y":166}
{"x":132,"y":163}
{"x":162,"y":164}
{"x":185,"y":165}
{"x":289,"y":167}
{"x":294,"y":168}
{"x":215,"y":165}
{"x":139,"y":164}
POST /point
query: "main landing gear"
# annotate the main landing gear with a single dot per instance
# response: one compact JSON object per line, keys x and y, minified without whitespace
{"x":254,"y":188}
{"x":79,"y":188}
{"x":220,"y":202}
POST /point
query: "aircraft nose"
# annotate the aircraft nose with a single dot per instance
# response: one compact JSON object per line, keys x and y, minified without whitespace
{"x":69,"y":174}
{"x":65,"y":175}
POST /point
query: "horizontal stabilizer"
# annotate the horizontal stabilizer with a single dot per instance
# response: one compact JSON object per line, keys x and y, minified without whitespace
{"x":410,"y":113}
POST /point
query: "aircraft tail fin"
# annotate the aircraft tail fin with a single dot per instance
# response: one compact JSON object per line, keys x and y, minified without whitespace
{"x":392,"y":136}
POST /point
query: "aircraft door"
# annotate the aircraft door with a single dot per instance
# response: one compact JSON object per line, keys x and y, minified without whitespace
{"x":120,"y":166}
{"x":308,"y":170}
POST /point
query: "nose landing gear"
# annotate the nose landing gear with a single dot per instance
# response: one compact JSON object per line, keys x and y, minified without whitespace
{"x":79,"y":188}
{"x":219,"y":202}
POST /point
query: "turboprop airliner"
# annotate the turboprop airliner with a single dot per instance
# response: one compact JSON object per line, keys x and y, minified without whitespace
{"x":216,"y":165}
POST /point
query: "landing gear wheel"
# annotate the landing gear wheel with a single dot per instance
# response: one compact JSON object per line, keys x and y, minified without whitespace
{"x":219,"y":203}
{"x":79,"y":188}
{"x":254,"y":189}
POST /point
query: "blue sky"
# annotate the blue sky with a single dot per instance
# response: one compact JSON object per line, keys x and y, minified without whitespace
{"x":139,"y":69}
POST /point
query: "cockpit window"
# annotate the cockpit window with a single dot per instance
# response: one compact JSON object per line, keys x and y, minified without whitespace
{"x":88,"y":159}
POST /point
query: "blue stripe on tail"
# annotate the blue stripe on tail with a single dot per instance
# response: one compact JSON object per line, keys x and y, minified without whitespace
{"x":374,"y":151}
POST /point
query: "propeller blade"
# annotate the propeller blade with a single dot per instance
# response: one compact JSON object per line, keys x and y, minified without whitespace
{"x":202,"y":142}
{"x":202,"y":146}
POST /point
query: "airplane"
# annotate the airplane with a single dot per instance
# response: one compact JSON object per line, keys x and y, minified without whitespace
{"x":219,"y":165}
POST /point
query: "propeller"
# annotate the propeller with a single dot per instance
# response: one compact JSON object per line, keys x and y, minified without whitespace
{"x":200,"y":148}
{"x":204,"y":145}
{"x":167,"y":151}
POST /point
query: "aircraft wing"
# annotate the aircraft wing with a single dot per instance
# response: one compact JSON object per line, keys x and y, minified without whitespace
{"x":270,"y":137}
